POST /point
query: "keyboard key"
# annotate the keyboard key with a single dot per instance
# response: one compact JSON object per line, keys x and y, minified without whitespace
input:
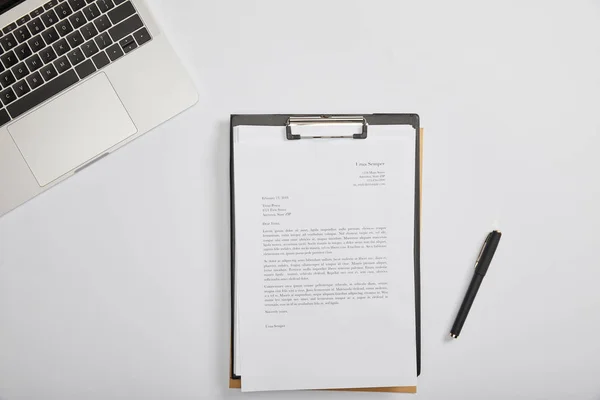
{"x":8,"y":42}
{"x":23,"y":20}
{"x":9,"y":59}
{"x":102,"y":23}
{"x":126,"y":27}
{"x":75,"y":39}
{"x":142,"y":36}
{"x":128,"y":44}
{"x":22,"y":34}
{"x":36,"y":43}
{"x":23,"y":51}
{"x":61,"y":47}
{"x":50,"y":35}
{"x":117,"y":2}
{"x":103,"y":40}
{"x":122,"y":12}
{"x":50,"y":4}
{"x":114,"y":52}
{"x":76,"y":4}
{"x":91,"y":12}
{"x":37,"y":12}
{"x":89,"y":31}
{"x":7,"y":78}
{"x":4,"y":117}
{"x":75,"y":56}
{"x":47,"y":55}
{"x":34,"y":80}
{"x":105,"y":5}
{"x":63,"y":10}
{"x":85,"y":69}
{"x":9,"y":27}
{"x":89,"y":48}
{"x":35,"y":26}
{"x":21,"y":88}
{"x":20,"y":71}
{"x":48,"y":72}
{"x":49,"y":18}
{"x":62,"y":64}
{"x":101,"y":60}
{"x":34,"y":62}
{"x":64,"y":27}
{"x":42,"y":94}
{"x":77,"y":20}
{"x":8,"y":96}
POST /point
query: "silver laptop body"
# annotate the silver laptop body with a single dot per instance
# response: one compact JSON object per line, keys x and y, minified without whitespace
{"x":79,"y":79}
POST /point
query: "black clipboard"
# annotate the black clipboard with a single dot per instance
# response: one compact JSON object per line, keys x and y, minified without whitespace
{"x":289,"y":121}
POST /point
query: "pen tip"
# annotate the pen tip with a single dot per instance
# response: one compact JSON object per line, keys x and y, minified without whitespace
{"x":454,"y":336}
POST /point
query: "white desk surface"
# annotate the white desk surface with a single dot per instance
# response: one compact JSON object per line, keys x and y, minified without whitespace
{"x":115,"y":285}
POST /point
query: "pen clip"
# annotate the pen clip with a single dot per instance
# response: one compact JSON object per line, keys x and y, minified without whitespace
{"x":482,"y":248}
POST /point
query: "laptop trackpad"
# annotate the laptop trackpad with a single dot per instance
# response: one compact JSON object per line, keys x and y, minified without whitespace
{"x":72,"y":129}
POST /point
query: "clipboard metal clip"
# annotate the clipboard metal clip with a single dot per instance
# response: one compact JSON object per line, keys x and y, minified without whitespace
{"x":326,"y":120}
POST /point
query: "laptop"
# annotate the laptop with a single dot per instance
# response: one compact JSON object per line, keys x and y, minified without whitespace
{"x":78,"y":80}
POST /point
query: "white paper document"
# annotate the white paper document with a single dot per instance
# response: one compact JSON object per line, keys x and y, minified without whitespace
{"x":324,"y":273}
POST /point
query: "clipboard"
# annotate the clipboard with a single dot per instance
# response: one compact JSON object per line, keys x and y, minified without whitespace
{"x":290,"y":121}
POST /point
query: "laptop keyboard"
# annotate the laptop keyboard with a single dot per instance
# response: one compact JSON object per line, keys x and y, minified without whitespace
{"x":57,"y":45}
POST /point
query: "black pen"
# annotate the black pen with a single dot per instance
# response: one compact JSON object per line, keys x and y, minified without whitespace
{"x":481,"y":266}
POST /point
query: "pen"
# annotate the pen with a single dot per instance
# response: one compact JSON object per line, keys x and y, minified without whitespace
{"x":481,"y":266}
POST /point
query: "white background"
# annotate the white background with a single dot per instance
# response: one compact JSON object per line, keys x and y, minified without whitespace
{"x":114,"y":285}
